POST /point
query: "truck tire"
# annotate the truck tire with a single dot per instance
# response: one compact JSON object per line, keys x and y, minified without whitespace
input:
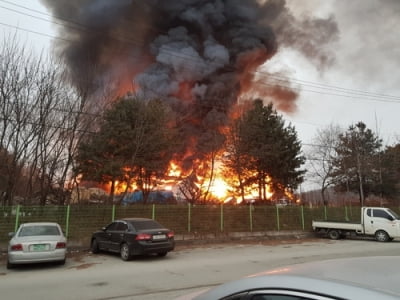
{"x":382,"y":236}
{"x":334,"y":234}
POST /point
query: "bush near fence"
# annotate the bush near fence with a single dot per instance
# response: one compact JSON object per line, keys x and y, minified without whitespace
{"x":78,"y":222}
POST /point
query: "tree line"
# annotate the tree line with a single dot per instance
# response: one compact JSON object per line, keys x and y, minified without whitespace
{"x":355,"y":160}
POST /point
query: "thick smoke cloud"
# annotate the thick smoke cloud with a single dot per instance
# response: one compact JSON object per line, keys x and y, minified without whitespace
{"x":199,"y":55}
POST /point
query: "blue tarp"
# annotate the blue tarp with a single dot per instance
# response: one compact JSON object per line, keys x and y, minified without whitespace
{"x":163,"y":197}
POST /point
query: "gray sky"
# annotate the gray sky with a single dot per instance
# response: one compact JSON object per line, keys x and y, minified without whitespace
{"x":367,"y":61}
{"x":362,"y":83}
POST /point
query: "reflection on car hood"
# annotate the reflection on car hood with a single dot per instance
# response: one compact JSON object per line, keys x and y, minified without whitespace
{"x":367,"y":278}
{"x":378,"y":272}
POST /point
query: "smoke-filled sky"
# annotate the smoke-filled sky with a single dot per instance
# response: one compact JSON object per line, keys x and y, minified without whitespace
{"x":319,"y":62}
{"x":202,"y":57}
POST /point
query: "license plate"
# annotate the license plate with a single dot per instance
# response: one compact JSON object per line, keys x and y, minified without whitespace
{"x":40,"y":247}
{"x":159,"y":237}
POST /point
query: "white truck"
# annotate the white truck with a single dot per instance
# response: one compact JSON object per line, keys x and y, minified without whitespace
{"x":379,"y":222}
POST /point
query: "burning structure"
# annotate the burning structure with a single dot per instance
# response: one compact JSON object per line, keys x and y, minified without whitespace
{"x":202,"y":57}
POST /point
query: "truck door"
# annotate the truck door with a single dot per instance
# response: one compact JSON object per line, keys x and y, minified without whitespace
{"x":382,"y":220}
{"x":368,"y":221}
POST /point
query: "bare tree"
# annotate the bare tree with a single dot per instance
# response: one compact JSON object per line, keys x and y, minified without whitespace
{"x":42,"y":119}
{"x":18,"y":68}
{"x":321,"y":157}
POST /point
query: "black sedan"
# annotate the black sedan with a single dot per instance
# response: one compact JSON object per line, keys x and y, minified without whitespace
{"x":133,"y":236}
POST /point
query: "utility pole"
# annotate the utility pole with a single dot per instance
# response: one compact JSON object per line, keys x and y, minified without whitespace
{"x":379,"y":165}
{"x":360,"y":179}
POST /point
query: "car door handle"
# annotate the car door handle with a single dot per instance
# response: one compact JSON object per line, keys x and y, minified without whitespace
{"x":372,"y":222}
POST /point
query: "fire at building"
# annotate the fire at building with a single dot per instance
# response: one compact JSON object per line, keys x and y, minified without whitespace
{"x":204,"y":59}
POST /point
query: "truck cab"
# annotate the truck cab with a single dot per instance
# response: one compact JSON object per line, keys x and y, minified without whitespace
{"x":381,"y":222}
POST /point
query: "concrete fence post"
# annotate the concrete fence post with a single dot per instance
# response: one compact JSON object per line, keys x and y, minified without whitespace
{"x":17,"y":218}
{"x":189,"y":217}
{"x":222,"y":218}
{"x":251,"y":216}
{"x":113,"y":213}
{"x":67,"y":221}
{"x":277,"y":218}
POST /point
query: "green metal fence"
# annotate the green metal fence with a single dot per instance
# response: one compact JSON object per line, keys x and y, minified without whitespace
{"x":78,"y":222}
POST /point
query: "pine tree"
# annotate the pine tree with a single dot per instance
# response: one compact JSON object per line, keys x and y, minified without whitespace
{"x":263,"y":152}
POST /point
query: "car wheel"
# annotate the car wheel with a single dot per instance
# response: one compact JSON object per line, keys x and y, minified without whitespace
{"x":334,"y":234}
{"x":162,"y":254}
{"x":10,"y":265}
{"x":382,"y":236}
{"x":95,"y":247}
{"x":124,"y":252}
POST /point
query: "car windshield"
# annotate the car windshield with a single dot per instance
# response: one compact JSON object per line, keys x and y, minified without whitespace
{"x":39,"y":230}
{"x":394,"y":214}
{"x":146,"y":224}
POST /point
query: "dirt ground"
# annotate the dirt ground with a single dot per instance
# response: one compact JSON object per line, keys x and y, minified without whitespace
{"x":77,"y":254}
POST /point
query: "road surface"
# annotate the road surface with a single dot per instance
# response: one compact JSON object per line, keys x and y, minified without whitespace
{"x":94,"y":277}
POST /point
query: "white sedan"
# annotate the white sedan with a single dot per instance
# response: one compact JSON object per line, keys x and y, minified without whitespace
{"x":37,"y":242}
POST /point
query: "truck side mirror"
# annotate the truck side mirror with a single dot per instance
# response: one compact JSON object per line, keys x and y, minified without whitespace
{"x":390,"y":218}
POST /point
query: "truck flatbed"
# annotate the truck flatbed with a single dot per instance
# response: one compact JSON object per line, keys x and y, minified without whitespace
{"x":337,"y":225}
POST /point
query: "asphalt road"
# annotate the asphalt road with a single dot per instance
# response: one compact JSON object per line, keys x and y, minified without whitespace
{"x":89,"y":277}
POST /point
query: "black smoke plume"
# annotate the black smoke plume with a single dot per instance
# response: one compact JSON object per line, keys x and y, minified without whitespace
{"x":202,"y":56}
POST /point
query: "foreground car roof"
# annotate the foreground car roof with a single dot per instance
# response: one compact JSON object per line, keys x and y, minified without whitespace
{"x":351,"y":278}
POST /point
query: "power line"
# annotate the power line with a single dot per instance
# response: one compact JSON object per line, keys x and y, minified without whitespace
{"x":322,"y":89}
{"x":367,"y":96}
{"x":66,"y":23}
{"x":35,"y":32}
{"x":36,"y":17}
{"x":39,"y":12}
{"x":321,"y":92}
{"x":331,"y":87}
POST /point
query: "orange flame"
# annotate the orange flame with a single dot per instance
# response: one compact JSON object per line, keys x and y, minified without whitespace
{"x":219,"y":189}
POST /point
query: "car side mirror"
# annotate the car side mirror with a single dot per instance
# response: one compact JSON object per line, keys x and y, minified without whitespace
{"x":390,"y":218}
{"x":11,"y":234}
{"x":104,"y":228}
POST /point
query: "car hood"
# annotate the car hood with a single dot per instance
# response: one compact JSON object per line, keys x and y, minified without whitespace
{"x":377,"y":272}
{"x":348,"y":278}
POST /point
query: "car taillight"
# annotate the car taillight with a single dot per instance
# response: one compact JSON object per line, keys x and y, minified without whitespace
{"x":61,"y":245}
{"x":17,"y":247}
{"x":143,"y":237}
{"x":170,"y":234}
